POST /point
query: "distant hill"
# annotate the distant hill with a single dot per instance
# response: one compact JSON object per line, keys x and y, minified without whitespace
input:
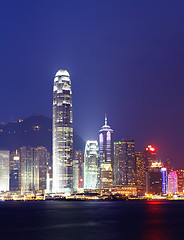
{"x":33,"y":131}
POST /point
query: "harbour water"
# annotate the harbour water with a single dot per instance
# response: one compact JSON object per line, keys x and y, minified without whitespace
{"x":92,"y":220}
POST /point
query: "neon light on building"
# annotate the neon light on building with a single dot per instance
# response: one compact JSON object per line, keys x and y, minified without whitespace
{"x":164,"y":180}
{"x":172,"y":183}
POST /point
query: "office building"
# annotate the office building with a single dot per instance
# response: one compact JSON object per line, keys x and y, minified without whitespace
{"x":124,"y":163}
{"x":41,"y":158}
{"x":62,"y":133}
{"x":169,"y":165}
{"x":150,"y":156}
{"x":28,"y":170}
{"x":106,"y":179}
{"x":106,"y":144}
{"x":164,"y":180}
{"x":180,"y":179}
{"x":172,"y":183}
{"x":4,"y":170}
{"x":91,"y":165}
{"x":140,"y":169}
{"x":78,"y":165}
{"x":154,"y":179}
{"x":15,"y":171}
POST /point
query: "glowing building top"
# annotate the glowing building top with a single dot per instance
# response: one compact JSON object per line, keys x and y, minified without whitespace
{"x":106,"y":144}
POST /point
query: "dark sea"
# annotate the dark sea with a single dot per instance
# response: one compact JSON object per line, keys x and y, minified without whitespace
{"x":92,"y":220}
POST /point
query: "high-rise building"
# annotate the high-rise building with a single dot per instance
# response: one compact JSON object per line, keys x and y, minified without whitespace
{"x":169,"y":165}
{"x":78,"y":164}
{"x":62,"y":133}
{"x":172,"y":183}
{"x":15,"y":171}
{"x":41,"y":159}
{"x":106,"y":179}
{"x":150,"y":156}
{"x":124,"y":163}
{"x":29,"y":169}
{"x":140,"y":169}
{"x":180,"y":178}
{"x":91,"y":165}
{"x":164,"y":180}
{"x":106,"y":144}
{"x":4,"y":170}
{"x":154,"y":179}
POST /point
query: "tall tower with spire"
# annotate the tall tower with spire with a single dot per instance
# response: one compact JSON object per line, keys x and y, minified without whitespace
{"x":106,"y":144}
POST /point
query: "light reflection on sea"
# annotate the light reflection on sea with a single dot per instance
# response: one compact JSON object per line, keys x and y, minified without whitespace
{"x":92,"y":220}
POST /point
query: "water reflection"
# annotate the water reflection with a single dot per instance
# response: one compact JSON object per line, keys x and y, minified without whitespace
{"x":155,"y":226}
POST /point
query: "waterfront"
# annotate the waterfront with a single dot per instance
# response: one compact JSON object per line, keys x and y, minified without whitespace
{"x":68,"y":220}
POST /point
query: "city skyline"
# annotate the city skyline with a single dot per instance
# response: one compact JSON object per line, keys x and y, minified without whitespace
{"x":129,"y":66}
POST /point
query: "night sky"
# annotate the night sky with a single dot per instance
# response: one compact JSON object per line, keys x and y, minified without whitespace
{"x":125,"y":58}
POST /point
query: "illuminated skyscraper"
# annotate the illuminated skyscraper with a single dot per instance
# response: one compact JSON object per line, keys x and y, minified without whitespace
{"x":154,"y":178}
{"x":41,"y":158}
{"x":124,"y":163}
{"x":91,"y":165}
{"x":169,"y":166}
{"x":106,"y":144}
{"x":62,"y":133}
{"x":106,"y":179}
{"x":4,"y":170}
{"x":29,"y":170}
{"x":150,"y":156}
{"x":164,"y":180}
{"x":180,"y":177}
{"x":172,"y":183}
{"x":140,"y":169}
{"x":78,"y":163}
{"x":15,"y":171}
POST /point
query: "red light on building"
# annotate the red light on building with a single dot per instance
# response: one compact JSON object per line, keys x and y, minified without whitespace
{"x":81,"y":180}
{"x":150,"y":148}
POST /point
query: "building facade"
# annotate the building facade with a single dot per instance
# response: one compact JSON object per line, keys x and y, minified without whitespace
{"x":124,"y":163}
{"x":15,"y":171}
{"x":172,"y":183}
{"x":106,"y":144}
{"x":91,"y":165}
{"x":164,"y":180}
{"x":140,"y":169}
{"x":62,"y":133}
{"x":4,"y":170}
{"x":28,"y":170}
{"x":78,"y":165}
{"x":106,"y":178}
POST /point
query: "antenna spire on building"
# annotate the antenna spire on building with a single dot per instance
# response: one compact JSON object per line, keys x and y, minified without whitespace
{"x":105,"y":120}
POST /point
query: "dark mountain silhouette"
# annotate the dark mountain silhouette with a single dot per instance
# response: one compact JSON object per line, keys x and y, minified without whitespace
{"x":33,"y":131}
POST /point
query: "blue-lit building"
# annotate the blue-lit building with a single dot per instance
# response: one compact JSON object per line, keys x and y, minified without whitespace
{"x":164,"y":180}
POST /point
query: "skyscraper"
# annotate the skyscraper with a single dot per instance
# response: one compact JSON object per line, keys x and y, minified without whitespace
{"x":4,"y":170}
{"x":124,"y":163}
{"x":169,"y":165}
{"x":106,"y":144}
{"x":91,"y":165}
{"x":140,"y":169}
{"x":150,"y":156}
{"x":29,"y":170}
{"x":172,"y":183}
{"x":164,"y":180}
{"x":62,"y":133}
{"x":154,"y":179}
{"x":15,"y":171}
{"x":78,"y":165}
{"x":41,"y":157}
